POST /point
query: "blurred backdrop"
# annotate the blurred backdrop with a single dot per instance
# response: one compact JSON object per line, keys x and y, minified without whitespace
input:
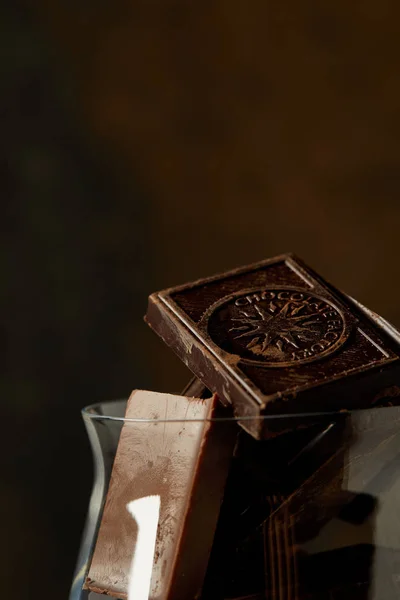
{"x":145,"y":143}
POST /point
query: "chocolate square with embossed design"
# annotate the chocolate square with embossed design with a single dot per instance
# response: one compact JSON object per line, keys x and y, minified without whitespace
{"x":275,"y":338}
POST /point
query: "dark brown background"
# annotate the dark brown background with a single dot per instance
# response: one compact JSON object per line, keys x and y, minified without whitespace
{"x":145,"y":143}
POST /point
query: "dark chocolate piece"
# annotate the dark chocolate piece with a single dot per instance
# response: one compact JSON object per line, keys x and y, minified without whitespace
{"x":276,"y":339}
{"x":254,"y":552}
{"x":330,"y":530}
{"x":185,"y":463}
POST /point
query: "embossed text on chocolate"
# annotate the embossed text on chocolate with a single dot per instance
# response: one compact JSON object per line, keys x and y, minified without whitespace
{"x":278,"y":327}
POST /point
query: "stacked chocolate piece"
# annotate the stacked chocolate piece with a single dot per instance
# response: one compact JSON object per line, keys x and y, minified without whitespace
{"x":249,"y":464}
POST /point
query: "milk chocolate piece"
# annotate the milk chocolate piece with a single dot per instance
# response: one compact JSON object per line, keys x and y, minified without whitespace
{"x":184,"y":463}
{"x":274,"y":338}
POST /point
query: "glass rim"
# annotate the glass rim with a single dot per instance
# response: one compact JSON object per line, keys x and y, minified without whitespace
{"x":90,"y":413}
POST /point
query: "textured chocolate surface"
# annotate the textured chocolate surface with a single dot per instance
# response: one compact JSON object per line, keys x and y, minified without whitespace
{"x":274,"y":338}
{"x":186,"y":464}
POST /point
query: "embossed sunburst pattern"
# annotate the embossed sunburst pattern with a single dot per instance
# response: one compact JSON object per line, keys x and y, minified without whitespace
{"x":279,"y":327}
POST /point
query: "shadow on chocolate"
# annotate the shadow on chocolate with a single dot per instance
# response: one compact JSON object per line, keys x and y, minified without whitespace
{"x":288,"y":527}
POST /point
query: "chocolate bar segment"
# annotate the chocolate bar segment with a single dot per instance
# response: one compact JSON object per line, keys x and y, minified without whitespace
{"x":276,"y":339}
{"x":253,"y":553}
{"x":183,"y":459}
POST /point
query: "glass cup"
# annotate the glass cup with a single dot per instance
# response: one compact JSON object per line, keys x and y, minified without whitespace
{"x":310,"y":514}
